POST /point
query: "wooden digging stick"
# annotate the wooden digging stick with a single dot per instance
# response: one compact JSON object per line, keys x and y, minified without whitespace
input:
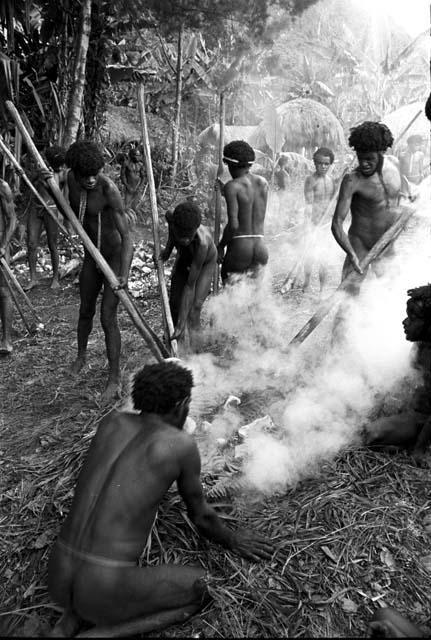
{"x":166,"y":310}
{"x":16,"y":301}
{"x":381,"y":245}
{"x":15,"y":282}
{"x":91,"y":248}
{"x":8,"y":153}
{"x":217,"y":216}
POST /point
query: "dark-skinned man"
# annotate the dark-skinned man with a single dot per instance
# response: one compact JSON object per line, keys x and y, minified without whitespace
{"x":193,"y":270}
{"x":133,"y":460}
{"x":96,"y":201}
{"x":246,"y":198}
{"x":7,"y":228}
{"x":132,"y":175}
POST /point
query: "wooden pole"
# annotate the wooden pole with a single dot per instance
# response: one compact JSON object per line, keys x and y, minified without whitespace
{"x":217,"y":216}
{"x":8,"y":153}
{"x":166,"y":310}
{"x":404,"y":131}
{"x":14,"y":281}
{"x":381,"y":245}
{"x":92,"y":250}
{"x":16,"y":301}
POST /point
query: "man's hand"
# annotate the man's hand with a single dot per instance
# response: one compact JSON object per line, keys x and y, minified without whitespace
{"x":355,"y":263}
{"x":219,"y":186}
{"x":122,"y":282}
{"x":251,"y":545}
{"x":46,"y":174}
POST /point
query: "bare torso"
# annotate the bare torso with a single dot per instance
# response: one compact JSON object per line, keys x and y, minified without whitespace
{"x":374,"y":204}
{"x":319,"y":190}
{"x":124,"y":477}
{"x":251,"y":193}
{"x":133,"y":174}
{"x":202,"y":245}
{"x":99,"y":200}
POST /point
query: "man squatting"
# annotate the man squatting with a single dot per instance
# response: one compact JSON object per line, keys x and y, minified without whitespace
{"x":193,"y":270}
{"x":96,"y":201}
{"x":133,"y":459}
{"x":7,"y":228}
{"x":246,"y":198}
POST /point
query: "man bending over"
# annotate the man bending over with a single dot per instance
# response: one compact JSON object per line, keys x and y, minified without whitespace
{"x":133,"y":460}
{"x":193,"y":269}
{"x":246,"y":197}
{"x":97,"y":202}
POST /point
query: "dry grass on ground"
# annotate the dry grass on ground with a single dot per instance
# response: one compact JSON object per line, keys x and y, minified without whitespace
{"x":348,"y":541}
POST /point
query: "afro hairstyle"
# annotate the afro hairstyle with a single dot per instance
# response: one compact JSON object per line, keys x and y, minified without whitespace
{"x":158,"y":388}
{"x":428,"y":108}
{"x":370,"y":136}
{"x":187,"y":216}
{"x":55,"y":156}
{"x":85,"y":158}
{"x":324,"y":151}
{"x":239,"y":154}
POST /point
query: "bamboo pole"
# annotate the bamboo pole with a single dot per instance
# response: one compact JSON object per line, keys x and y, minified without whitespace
{"x":404,"y":131}
{"x":15,"y":300}
{"x":8,"y":153}
{"x":92,"y":250}
{"x":14,"y":280}
{"x":217,"y":216}
{"x":166,"y":310}
{"x":380,"y":246}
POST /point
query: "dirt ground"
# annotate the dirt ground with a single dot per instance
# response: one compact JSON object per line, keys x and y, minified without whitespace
{"x":350,"y":539}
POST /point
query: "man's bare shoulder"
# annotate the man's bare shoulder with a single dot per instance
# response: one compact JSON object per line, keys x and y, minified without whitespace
{"x":259,"y":180}
{"x":108,"y":185}
{"x":5,"y":191}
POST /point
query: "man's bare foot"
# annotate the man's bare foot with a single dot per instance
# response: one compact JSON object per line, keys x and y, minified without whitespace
{"x":31,"y":285}
{"x":78,"y":364}
{"x":112,"y":392}
{"x":54,"y":284}
{"x":6,"y":348}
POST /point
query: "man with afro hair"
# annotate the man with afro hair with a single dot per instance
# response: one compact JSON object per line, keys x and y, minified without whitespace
{"x":246,"y":198}
{"x":97,"y":203}
{"x":371,"y":193}
{"x":193,"y":270}
{"x":38,"y":218}
{"x":94,"y":571}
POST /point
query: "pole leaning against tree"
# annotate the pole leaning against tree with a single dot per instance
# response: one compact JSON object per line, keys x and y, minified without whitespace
{"x":167,"y":317}
{"x":90,"y":247}
{"x":379,"y":247}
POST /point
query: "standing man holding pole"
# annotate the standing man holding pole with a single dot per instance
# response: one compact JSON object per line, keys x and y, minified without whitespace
{"x":7,"y":228}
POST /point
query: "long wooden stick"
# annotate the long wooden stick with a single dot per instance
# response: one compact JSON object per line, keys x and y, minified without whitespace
{"x":15,"y":299}
{"x":92,"y":250}
{"x":217,"y":216}
{"x":19,"y":288}
{"x":404,"y":131}
{"x":381,"y":245}
{"x":167,"y":317}
{"x":8,"y":153}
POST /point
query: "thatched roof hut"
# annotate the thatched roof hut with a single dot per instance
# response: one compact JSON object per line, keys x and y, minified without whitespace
{"x":209,"y":137}
{"x":398,"y":120}
{"x":123,"y":124}
{"x":304,"y":123}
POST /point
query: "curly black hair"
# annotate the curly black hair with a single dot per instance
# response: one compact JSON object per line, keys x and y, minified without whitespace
{"x":187,"y":216}
{"x":324,"y":151}
{"x":158,"y":388}
{"x":240,"y":152}
{"x":55,"y":156}
{"x":85,"y":158}
{"x":370,"y":136}
{"x":428,"y":107}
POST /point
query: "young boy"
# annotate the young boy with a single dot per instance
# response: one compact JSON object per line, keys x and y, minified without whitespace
{"x":319,"y":189}
{"x":55,"y":157}
{"x":193,"y":269}
{"x":246,"y":198}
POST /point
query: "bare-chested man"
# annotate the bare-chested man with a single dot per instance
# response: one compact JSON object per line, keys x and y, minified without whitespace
{"x":412,"y":160}
{"x":133,"y":460}
{"x":38,"y":217}
{"x":194,"y":267}
{"x":246,"y":197}
{"x":7,"y":228}
{"x":96,"y":200}
{"x":132,"y":175}
{"x":319,"y":189}
{"x":371,"y":193}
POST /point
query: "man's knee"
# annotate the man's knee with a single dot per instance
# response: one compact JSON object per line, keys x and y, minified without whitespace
{"x":108,"y":317}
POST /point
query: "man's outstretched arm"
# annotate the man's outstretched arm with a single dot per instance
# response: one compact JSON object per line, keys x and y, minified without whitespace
{"x":248,"y":544}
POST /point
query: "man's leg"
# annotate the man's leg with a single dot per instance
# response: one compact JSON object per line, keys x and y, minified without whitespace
{"x":6,"y":318}
{"x":51,"y":228}
{"x":180,"y":274}
{"x":90,"y":283}
{"x":202,"y":289}
{"x":34,"y":227}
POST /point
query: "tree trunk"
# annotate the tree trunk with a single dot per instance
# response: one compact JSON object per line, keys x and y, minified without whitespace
{"x":77,"y":91}
{"x":177,"y":113}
